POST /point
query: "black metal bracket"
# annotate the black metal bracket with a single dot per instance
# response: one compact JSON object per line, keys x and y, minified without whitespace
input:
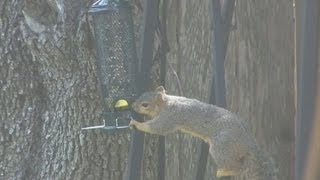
{"x":147,"y":41}
{"x":221,"y":22}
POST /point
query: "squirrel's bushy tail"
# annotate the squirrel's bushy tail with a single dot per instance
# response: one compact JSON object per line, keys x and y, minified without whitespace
{"x":261,"y":167}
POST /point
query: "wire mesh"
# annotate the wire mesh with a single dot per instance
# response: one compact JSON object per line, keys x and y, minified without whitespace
{"x":116,"y":57}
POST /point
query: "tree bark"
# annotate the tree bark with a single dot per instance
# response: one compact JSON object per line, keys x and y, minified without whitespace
{"x":259,"y":76}
{"x":260,"y":79}
{"x":49,"y":91}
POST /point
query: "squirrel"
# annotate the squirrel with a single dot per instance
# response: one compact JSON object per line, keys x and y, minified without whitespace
{"x":232,"y":147}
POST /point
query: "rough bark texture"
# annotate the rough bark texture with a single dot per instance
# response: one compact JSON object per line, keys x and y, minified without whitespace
{"x":259,"y":76}
{"x":49,"y":90}
{"x":190,"y":54}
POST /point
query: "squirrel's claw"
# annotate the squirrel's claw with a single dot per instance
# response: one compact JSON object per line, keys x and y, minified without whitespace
{"x":132,"y":123}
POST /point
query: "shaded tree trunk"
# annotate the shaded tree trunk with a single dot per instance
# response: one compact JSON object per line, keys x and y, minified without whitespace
{"x":49,"y":90}
{"x":259,"y":76}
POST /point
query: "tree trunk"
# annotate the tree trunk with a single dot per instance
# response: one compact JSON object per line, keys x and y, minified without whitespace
{"x":49,"y":91}
{"x":259,"y":77}
{"x":188,"y":36}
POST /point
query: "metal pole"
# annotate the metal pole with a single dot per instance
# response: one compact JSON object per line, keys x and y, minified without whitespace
{"x":307,"y":83}
{"x":164,"y":50}
{"x":226,"y":15}
{"x":162,"y":145}
{"x":221,"y":23}
{"x":147,"y":41}
{"x":218,"y":56}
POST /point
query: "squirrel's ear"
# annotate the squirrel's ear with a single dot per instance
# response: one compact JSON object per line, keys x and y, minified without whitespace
{"x":160,"y":89}
{"x":159,"y":98}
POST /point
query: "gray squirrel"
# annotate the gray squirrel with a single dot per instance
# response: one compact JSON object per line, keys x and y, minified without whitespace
{"x":232,"y":147}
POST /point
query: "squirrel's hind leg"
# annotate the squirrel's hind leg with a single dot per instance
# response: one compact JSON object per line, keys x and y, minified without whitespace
{"x":227,"y":164}
{"x":228,"y":155}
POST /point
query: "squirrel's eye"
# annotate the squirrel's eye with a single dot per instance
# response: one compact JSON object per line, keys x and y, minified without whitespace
{"x":145,"y":105}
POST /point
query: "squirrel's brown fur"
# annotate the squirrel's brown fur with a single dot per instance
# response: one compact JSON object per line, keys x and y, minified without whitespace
{"x":233,"y":148}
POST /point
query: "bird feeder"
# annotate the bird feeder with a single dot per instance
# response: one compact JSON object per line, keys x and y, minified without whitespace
{"x":116,"y":61}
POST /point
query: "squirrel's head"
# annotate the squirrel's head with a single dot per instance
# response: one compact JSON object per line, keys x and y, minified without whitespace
{"x":150,"y":103}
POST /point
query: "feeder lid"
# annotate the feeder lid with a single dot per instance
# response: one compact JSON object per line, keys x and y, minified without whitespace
{"x":106,"y":5}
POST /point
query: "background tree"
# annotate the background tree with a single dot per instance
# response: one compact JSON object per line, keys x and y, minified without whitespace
{"x":259,"y":76}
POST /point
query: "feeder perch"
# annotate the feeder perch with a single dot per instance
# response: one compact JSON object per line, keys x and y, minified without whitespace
{"x":116,"y":61}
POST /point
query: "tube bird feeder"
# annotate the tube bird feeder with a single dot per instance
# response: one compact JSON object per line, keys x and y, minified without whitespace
{"x":116,"y":61}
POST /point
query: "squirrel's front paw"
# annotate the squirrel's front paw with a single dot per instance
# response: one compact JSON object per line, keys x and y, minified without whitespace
{"x":141,"y":126}
{"x":133,"y":123}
